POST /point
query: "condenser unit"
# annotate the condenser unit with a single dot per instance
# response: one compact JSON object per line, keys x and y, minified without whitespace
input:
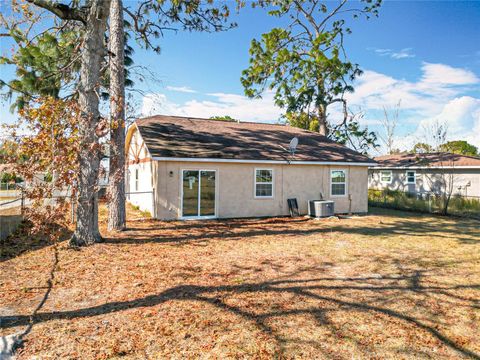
{"x":321,"y":208}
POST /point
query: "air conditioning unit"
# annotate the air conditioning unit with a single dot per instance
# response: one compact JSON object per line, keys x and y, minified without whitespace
{"x":321,"y":208}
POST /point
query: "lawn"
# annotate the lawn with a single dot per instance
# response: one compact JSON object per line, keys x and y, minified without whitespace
{"x":388,"y":285}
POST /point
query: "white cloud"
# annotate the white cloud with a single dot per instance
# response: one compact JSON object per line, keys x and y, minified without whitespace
{"x":184,"y":89}
{"x":375,"y":90}
{"x":234,"y":105}
{"x":382,"y":52}
{"x":441,"y":94}
{"x":440,"y":74}
{"x":401,"y":54}
{"x":462,"y":116}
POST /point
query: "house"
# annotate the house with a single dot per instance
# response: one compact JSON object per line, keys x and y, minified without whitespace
{"x":181,"y":168}
{"x":424,"y":173}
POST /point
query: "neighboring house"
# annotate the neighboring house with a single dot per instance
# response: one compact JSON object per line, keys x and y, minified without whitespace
{"x":180,"y":168}
{"x":424,"y":173}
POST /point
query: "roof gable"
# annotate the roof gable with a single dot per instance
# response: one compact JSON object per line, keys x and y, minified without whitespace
{"x":181,"y":137}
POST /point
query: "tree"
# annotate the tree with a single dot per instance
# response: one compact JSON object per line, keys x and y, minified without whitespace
{"x":91,"y":125}
{"x":461,"y":147}
{"x":192,"y":15}
{"x":305,"y":62}
{"x":443,"y":176}
{"x":50,"y":146}
{"x":116,"y":176}
{"x":223,"y":118}
{"x":48,"y":63}
{"x":302,"y":120}
{"x":389,"y":124}
{"x":7,"y":147}
{"x":421,"y":148}
{"x":397,"y":151}
{"x":44,"y":64}
{"x":91,"y":20}
{"x":349,"y":132}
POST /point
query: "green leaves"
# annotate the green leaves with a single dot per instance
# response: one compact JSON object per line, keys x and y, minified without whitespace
{"x":459,"y":147}
{"x":152,"y":18}
{"x":305,"y":62}
{"x":352,"y":134}
{"x":302,"y":65}
{"x":43,"y":65}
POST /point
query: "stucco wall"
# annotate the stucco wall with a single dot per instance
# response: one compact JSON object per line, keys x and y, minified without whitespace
{"x":235,"y":188}
{"x":430,"y":180}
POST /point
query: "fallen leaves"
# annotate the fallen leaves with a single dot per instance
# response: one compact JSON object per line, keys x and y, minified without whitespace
{"x":392,"y":285}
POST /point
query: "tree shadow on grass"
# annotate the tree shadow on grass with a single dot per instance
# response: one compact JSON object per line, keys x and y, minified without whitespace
{"x":464,"y":231}
{"x":22,"y":241}
{"x":329,"y":297}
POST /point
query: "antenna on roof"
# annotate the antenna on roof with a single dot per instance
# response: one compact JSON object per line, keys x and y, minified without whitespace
{"x":293,"y":145}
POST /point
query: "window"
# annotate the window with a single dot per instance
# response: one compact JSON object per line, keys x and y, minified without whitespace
{"x":136,"y":179}
{"x":338,"y":183}
{"x":411,"y":177}
{"x":386,"y":177}
{"x":263,"y":183}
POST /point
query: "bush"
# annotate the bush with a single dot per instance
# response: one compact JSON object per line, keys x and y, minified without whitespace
{"x":463,"y":206}
{"x":422,"y":202}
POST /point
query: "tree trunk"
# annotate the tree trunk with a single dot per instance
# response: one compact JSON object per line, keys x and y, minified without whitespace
{"x":116,"y":177}
{"x":93,"y":52}
{"x":322,"y":120}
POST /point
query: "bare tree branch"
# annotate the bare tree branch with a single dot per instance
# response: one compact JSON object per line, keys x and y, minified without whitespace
{"x":63,"y":11}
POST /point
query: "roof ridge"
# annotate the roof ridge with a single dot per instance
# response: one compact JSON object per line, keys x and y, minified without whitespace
{"x":429,"y":153}
{"x":234,"y":122}
{"x":208,"y":119}
{"x":202,"y":138}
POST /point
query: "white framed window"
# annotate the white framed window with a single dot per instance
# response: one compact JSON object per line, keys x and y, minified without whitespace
{"x":386,"y":176}
{"x":263,"y":183}
{"x":338,"y":183}
{"x":136,"y":179}
{"x":411,"y":177}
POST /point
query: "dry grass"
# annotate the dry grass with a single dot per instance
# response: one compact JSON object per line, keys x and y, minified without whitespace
{"x":11,"y":211}
{"x":389,"y":285}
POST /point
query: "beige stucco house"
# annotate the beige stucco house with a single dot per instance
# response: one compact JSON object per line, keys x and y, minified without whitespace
{"x":437,"y":173}
{"x":183,"y":168}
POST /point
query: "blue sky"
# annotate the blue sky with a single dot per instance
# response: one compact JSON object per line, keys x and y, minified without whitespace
{"x":424,"y":54}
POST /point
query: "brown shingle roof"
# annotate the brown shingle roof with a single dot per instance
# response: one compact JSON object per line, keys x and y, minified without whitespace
{"x":428,"y":159}
{"x":182,"y":137}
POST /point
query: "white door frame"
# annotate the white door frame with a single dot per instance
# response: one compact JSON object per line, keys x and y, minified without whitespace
{"x":198,"y":217}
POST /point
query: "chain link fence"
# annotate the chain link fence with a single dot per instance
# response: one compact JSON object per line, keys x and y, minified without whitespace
{"x":11,"y":215}
{"x":13,"y":205}
{"x":458,"y":205}
{"x":12,"y":211}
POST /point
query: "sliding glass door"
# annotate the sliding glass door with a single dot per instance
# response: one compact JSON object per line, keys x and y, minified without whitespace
{"x":190,"y":199}
{"x":198,"y":193}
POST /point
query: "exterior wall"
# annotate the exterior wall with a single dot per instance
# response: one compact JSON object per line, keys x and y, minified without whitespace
{"x":235,"y":188}
{"x":140,"y":194}
{"x":429,"y":180}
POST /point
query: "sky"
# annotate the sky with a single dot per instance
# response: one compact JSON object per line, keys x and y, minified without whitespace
{"x":423,"y":54}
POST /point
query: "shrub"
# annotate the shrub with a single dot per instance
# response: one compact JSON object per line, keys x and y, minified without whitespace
{"x":423,"y":202}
